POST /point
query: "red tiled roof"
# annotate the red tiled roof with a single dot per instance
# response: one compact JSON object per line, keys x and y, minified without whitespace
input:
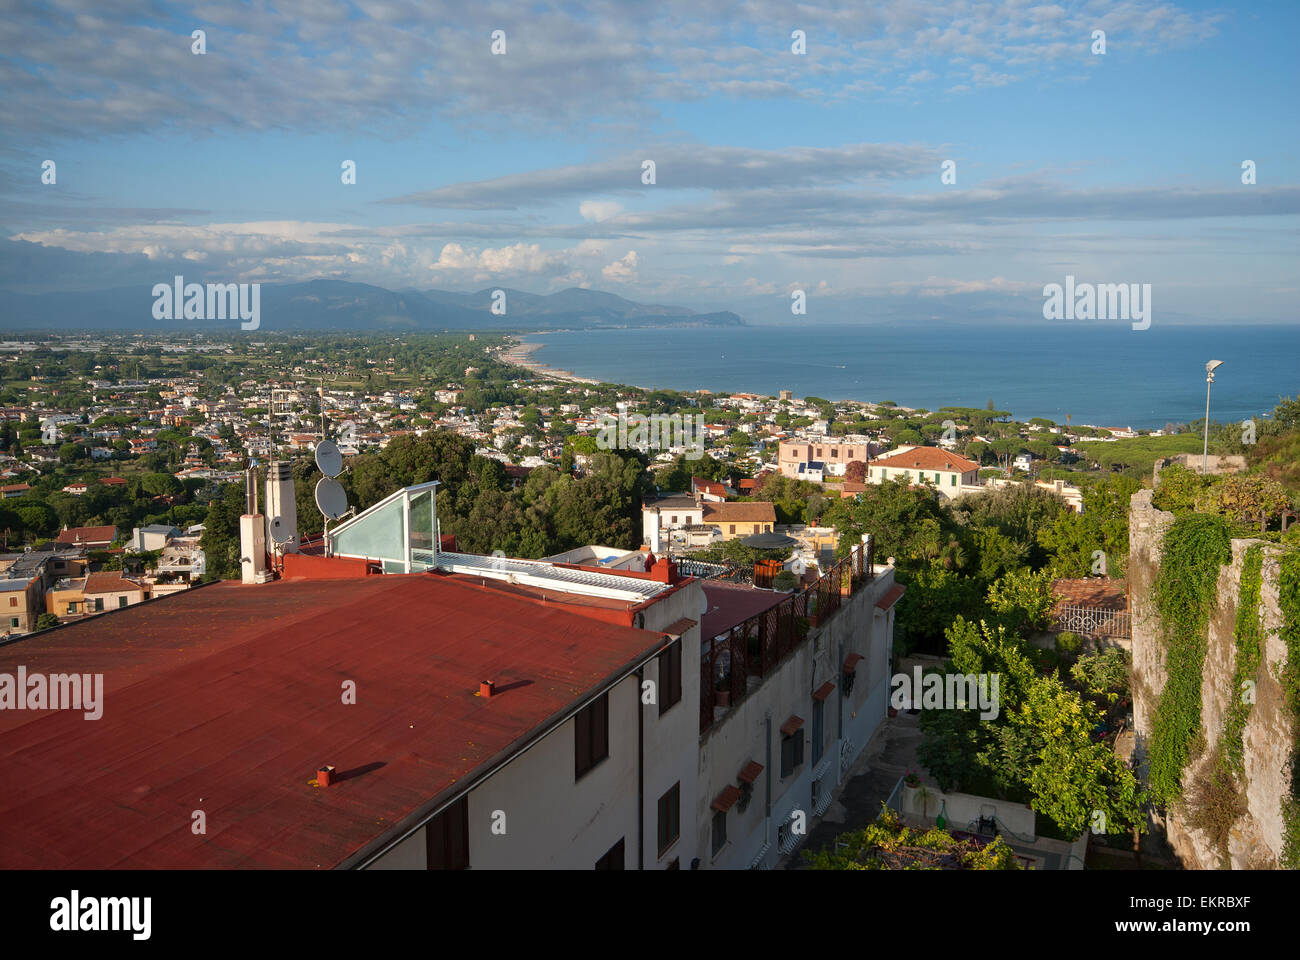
{"x":1109,"y":594}
{"x":757,"y":511}
{"x":727,"y":798}
{"x":110,"y":581}
{"x":927,"y":458}
{"x":231,"y":693}
{"x":105,"y":534}
{"x":751,"y":772}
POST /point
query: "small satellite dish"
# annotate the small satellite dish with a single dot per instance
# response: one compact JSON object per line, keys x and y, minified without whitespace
{"x":328,"y":459}
{"x":331,"y":499}
{"x":280,"y":532}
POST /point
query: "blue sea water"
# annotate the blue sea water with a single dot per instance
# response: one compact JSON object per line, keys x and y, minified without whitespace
{"x":1106,"y":375}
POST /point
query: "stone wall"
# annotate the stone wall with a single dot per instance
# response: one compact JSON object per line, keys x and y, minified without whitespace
{"x":1256,"y":837}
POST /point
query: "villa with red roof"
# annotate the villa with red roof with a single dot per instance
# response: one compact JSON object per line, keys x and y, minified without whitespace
{"x":930,"y":466}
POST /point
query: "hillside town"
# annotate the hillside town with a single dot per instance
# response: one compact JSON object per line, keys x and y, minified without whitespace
{"x":142,"y":432}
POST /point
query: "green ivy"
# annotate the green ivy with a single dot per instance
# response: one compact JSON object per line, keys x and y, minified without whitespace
{"x":1288,"y":591}
{"x":1249,"y":639}
{"x":1194,"y":548}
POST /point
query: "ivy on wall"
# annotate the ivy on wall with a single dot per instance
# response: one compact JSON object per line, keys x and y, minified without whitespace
{"x":1288,"y":592}
{"x":1194,"y":549}
{"x":1248,"y":637}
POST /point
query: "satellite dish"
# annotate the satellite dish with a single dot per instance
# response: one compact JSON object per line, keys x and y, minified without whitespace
{"x":331,"y":499}
{"x":280,"y":532}
{"x":328,"y":459}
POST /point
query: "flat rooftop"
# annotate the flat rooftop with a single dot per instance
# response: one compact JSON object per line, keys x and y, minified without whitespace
{"x":227,"y":699}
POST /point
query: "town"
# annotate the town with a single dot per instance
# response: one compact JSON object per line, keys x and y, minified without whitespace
{"x":812,"y":557}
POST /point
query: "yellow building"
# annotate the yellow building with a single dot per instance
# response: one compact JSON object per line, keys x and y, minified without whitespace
{"x":736,"y":520}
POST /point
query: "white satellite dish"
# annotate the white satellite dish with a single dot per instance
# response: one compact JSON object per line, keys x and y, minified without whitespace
{"x":280,"y":532}
{"x":328,"y":459}
{"x":331,"y":499}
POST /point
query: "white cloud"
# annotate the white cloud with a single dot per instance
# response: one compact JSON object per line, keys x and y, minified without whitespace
{"x":594,"y":211}
{"x":623,"y":270}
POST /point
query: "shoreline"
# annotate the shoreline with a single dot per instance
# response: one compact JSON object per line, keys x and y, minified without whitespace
{"x":521,"y":349}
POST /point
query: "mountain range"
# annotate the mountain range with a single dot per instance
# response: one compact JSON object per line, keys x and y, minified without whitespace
{"x":341,"y":305}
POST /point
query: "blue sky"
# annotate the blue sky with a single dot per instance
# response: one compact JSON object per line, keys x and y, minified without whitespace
{"x":775,"y":171}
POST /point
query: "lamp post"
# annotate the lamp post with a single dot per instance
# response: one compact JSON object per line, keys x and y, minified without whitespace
{"x":1209,"y":379}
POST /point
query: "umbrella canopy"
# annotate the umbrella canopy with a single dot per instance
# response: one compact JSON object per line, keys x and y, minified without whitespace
{"x":769,"y":541}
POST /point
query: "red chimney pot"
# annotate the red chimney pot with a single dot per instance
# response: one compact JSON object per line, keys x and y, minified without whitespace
{"x":325,"y":775}
{"x":487,"y":688}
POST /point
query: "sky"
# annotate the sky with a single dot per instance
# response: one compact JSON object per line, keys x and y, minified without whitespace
{"x":774,"y":170}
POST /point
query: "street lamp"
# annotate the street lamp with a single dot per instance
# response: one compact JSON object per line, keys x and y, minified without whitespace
{"x":1209,"y":379}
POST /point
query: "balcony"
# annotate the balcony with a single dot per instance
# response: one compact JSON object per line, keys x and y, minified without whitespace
{"x":758,"y":646}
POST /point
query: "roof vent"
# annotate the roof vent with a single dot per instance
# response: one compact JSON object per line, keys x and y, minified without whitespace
{"x":325,"y":775}
{"x":487,"y":688}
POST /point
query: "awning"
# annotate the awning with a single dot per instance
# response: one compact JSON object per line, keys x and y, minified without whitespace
{"x":791,"y":726}
{"x":751,"y":772}
{"x":724,"y":800}
{"x":824,"y":691}
{"x":851,"y":662}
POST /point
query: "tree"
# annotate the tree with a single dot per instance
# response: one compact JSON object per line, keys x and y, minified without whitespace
{"x":1023,"y":600}
{"x":888,"y":845}
{"x":46,"y":620}
{"x":856,"y":471}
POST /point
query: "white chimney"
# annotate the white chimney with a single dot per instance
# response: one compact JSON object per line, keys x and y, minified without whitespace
{"x":281,"y":508}
{"x":655,"y":535}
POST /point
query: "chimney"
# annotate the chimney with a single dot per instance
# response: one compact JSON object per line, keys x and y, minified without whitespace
{"x":664,"y":571}
{"x":487,"y":688}
{"x":325,"y":775}
{"x":655,"y":534}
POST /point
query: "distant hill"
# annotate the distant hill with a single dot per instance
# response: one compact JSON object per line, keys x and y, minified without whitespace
{"x":341,"y":305}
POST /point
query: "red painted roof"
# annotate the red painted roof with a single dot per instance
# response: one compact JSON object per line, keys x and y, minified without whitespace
{"x":732,"y":603}
{"x":891,"y":596}
{"x":227,"y":699}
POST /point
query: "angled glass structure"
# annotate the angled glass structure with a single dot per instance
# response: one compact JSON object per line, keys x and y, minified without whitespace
{"x":400,"y":531}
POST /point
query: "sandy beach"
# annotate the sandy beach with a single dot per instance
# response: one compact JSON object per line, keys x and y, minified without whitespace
{"x":521,"y":355}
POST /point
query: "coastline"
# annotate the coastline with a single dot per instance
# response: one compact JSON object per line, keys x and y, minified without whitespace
{"x":1159,"y":383}
{"x":519,"y":354}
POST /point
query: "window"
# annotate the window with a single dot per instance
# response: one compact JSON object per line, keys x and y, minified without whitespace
{"x":674,"y":518}
{"x":614,"y":859}
{"x":953,"y":478}
{"x":670,"y":821}
{"x":791,"y":752}
{"x":72,"y":606}
{"x":446,"y":838}
{"x":99,"y":603}
{"x":733,"y":528}
{"x":670,"y":676}
{"x":719,"y":831}
{"x":13,"y":601}
{"x":591,"y":736}
{"x":817,"y":730}
{"x":121,"y":602}
{"x":13,"y":622}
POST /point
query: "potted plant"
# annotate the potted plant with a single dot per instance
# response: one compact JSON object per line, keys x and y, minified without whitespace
{"x":912,"y":779}
{"x":722,"y":692}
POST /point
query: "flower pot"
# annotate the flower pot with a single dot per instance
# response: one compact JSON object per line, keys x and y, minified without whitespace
{"x":722,"y":698}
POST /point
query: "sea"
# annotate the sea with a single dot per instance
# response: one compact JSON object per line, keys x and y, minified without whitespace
{"x":1102,"y":375}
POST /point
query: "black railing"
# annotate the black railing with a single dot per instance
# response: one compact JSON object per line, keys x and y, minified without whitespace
{"x":757,"y":646}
